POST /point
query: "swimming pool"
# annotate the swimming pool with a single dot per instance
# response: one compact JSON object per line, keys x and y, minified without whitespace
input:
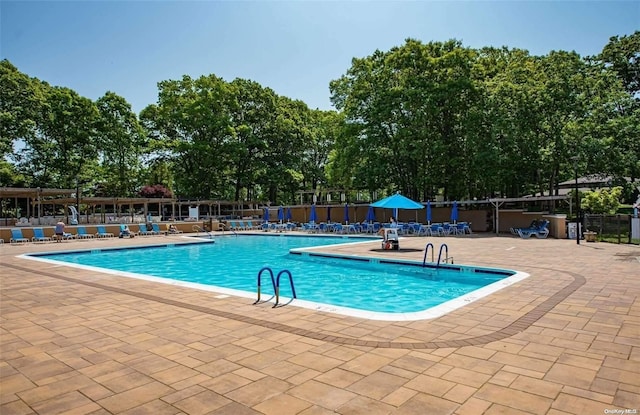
{"x":367,"y":287}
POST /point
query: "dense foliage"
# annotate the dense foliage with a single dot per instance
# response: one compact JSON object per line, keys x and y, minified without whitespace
{"x":603,"y":201}
{"x":434,"y":119}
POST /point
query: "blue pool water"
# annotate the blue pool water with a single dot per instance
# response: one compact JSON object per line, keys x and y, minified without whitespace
{"x":234,"y":262}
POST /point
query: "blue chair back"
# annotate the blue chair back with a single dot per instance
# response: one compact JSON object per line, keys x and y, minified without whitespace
{"x":16,"y":233}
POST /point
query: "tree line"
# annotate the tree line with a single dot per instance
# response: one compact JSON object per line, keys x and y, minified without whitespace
{"x":426,"y":119}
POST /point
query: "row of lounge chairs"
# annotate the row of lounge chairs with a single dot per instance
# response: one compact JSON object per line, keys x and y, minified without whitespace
{"x":241,"y":225}
{"x":17,"y":237}
{"x":412,"y":228}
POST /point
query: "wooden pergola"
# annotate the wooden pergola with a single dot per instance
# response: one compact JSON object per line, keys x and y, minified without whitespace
{"x":37,"y":197}
{"x":214,"y":207}
{"x":33,"y":197}
{"x":117,"y":205}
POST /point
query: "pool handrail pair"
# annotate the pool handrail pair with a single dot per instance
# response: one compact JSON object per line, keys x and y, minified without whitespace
{"x":276,"y":284}
{"x":199,"y":229}
{"x":446,"y":253}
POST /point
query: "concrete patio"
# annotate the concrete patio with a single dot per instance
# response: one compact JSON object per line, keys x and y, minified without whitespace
{"x":564,"y":341}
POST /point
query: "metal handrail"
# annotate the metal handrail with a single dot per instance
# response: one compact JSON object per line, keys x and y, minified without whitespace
{"x":426,"y":251}
{"x":293,"y":290}
{"x":273,"y":281}
{"x":447,"y":257}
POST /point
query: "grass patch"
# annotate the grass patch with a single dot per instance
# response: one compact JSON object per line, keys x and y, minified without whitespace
{"x":624,"y":239}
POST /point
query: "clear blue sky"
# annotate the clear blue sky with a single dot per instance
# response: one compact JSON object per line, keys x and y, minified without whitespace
{"x":294,"y":47}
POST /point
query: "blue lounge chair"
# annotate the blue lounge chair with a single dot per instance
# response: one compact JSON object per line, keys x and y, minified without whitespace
{"x":533,"y":225}
{"x":155,"y":229}
{"x":338,"y":228}
{"x":448,"y":229}
{"x":460,"y":228}
{"x":142,"y":230}
{"x":424,"y":230}
{"x":38,"y":236}
{"x":311,"y":227}
{"x":102,"y":232}
{"x":17,"y":237}
{"x":351,"y":228}
{"x":540,"y":231}
{"x":437,"y":229}
{"x":82,"y":233}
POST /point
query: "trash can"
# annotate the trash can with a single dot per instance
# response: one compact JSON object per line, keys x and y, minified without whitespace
{"x":572,"y":230}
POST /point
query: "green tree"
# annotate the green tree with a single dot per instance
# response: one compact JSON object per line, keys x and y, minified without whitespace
{"x":409,"y":115}
{"x":253,"y":111}
{"x":613,"y":129}
{"x":21,"y":99}
{"x":63,"y":149}
{"x":286,"y":154}
{"x":120,"y":140}
{"x":191,"y":126}
{"x":622,"y":55}
{"x":9,"y":176}
{"x":505,"y":159}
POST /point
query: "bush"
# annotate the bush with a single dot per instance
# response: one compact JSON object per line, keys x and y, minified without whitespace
{"x":157,"y":190}
{"x":603,"y":201}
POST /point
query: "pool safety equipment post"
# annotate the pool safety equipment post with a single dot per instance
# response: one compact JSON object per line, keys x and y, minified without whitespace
{"x":578,"y":222}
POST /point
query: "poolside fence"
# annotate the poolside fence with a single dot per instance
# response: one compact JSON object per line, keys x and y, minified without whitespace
{"x":612,"y":228}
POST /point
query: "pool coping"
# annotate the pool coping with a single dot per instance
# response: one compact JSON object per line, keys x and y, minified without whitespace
{"x":515,"y":327}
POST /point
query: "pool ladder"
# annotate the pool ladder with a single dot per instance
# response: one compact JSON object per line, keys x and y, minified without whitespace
{"x":276,"y":284}
{"x":440,"y":259}
{"x":199,"y":229}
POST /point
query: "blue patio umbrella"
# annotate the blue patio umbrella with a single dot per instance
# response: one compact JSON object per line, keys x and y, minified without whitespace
{"x":454,"y":212}
{"x":429,"y":212}
{"x":280,"y":214}
{"x":346,"y":213}
{"x":265,"y":216}
{"x":397,"y":201}
{"x":328,"y":213}
{"x":371,"y":215}
{"x":313,"y":217}
{"x":289,"y":216}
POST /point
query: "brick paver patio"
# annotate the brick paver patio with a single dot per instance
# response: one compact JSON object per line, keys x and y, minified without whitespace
{"x":564,"y":341}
